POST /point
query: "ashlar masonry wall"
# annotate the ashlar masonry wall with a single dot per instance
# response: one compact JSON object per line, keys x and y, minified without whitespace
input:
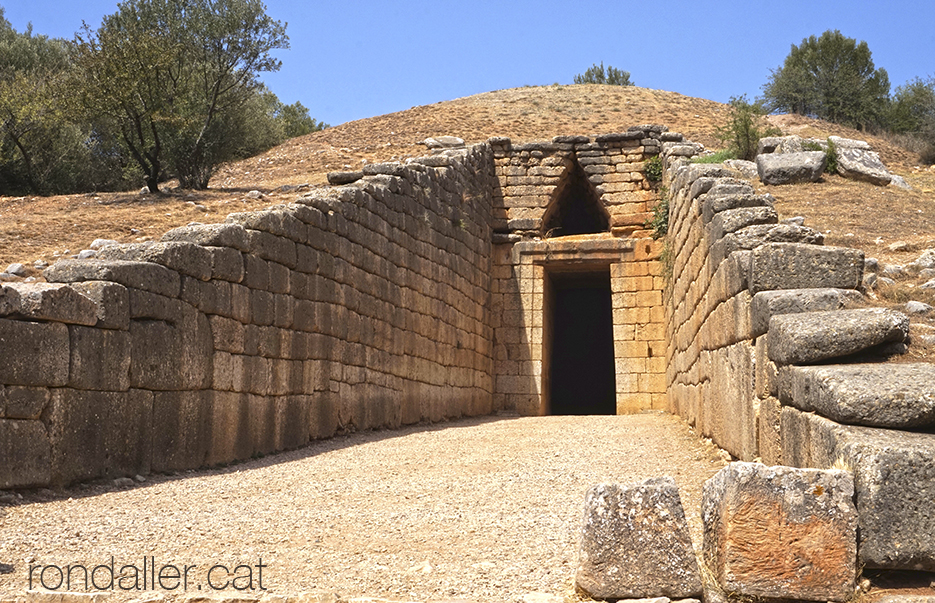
{"x":608,"y":178}
{"x":355,"y":307}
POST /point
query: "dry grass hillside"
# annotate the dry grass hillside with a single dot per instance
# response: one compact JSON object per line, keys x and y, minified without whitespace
{"x":854,"y":214}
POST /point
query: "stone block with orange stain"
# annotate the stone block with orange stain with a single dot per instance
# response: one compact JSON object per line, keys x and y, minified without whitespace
{"x":780,"y":532}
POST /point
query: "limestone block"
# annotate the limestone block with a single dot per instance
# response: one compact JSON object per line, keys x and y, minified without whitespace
{"x":635,"y":543}
{"x":99,"y":434}
{"x":751,"y":237}
{"x":227,"y":334}
{"x":862,"y":164}
{"x":814,"y":336}
{"x":26,"y":454}
{"x":726,"y":195}
{"x":212,"y":235}
{"x":100,"y":359}
{"x":53,"y":302}
{"x":172,"y":355}
{"x":33,"y":353}
{"x":181,"y":433}
{"x":780,"y":532}
{"x":229,"y":432}
{"x":262,"y":422}
{"x":227,"y":263}
{"x":138,"y":275}
{"x":17,"y":402}
{"x":893,"y":480}
{"x":278,"y":278}
{"x":273,"y":247}
{"x":112,"y":301}
{"x":291,"y":419}
{"x":731,"y":220}
{"x":769,"y":431}
{"x":800,"y":266}
{"x":766,"y":372}
{"x":791,"y":168}
{"x":896,"y":396}
{"x":185,"y":258}
{"x":262,"y":310}
{"x":767,"y":304}
{"x":256,"y":273}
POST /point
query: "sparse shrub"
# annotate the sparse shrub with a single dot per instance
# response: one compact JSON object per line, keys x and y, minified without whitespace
{"x":659,"y":223}
{"x":718,"y":157}
{"x":745,"y":127}
{"x":653,"y":169}
{"x":832,"y":166}
{"x":598,"y":75}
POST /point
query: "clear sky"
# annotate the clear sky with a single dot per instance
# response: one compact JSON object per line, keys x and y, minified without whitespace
{"x":351,"y":59}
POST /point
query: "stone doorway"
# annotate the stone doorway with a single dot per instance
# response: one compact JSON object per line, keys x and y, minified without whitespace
{"x":580,"y":343}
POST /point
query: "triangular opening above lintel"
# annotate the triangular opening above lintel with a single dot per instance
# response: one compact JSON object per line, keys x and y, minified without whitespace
{"x":575,"y":207}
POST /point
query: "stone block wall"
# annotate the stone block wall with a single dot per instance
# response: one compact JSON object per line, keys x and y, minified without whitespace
{"x":356,"y":307}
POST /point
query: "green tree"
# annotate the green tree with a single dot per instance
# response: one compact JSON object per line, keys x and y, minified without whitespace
{"x":830,"y":77}
{"x":598,"y":75}
{"x":172,"y":75}
{"x":34,"y":138}
{"x":296,"y":121}
{"x":913,"y":107}
{"x":744,"y":128}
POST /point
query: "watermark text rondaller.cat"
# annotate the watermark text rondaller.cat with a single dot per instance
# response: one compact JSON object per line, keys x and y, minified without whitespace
{"x":147,"y":574}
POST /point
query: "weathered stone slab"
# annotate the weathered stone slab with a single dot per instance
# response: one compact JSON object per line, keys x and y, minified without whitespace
{"x":138,"y":275}
{"x":18,"y":402}
{"x":99,"y":434}
{"x":24,"y":448}
{"x":751,"y":237}
{"x":894,"y":483}
{"x":100,"y":359}
{"x":861,"y":164}
{"x":780,"y":532}
{"x":211,"y":235}
{"x":791,"y":168}
{"x":341,"y":178}
{"x":767,"y":304}
{"x":896,"y":396}
{"x":54,"y":302}
{"x":182,"y":429}
{"x":112,"y":301}
{"x":720,"y":199}
{"x":185,"y":258}
{"x":814,"y":336}
{"x":801,"y":266}
{"x":33,"y":353}
{"x":732,"y":220}
{"x":635,"y":543}
{"x":173,"y":354}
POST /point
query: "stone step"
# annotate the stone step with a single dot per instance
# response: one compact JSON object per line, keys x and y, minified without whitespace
{"x":897,"y":396}
{"x":815,"y":336}
{"x":894,"y":484}
{"x":767,"y":304}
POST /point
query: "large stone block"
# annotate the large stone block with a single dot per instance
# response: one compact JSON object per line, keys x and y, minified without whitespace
{"x":137,"y":275}
{"x":767,"y":304}
{"x":26,"y":454}
{"x":862,"y":164}
{"x":112,"y":301}
{"x":212,"y":235}
{"x":226,"y":264}
{"x":33,"y":353}
{"x":174,"y":355}
{"x":897,"y":396}
{"x":182,"y":423}
{"x":751,"y":237}
{"x":780,"y":532}
{"x":635,"y":543}
{"x":732,"y":220}
{"x":99,"y":434}
{"x":17,"y":402}
{"x":100,"y":359}
{"x":791,"y":168}
{"x":802,"y":266}
{"x":229,"y":428}
{"x":815,"y":336}
{"x":185,"y":258}
{"x":52,"y":302}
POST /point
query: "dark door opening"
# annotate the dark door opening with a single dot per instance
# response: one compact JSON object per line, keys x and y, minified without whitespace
{"x":581,"y":359}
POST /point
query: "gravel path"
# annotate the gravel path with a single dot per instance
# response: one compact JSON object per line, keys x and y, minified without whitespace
{"x":481,"y":509}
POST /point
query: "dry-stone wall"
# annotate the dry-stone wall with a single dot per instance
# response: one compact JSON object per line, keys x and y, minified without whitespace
{"x":355,"y":307}
{"x":752,"y":306}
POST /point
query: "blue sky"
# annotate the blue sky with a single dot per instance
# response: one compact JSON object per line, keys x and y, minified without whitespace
{"x":360,"y":58}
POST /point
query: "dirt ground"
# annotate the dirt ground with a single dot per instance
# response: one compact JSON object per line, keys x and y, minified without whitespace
{"x":484,"y":510}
